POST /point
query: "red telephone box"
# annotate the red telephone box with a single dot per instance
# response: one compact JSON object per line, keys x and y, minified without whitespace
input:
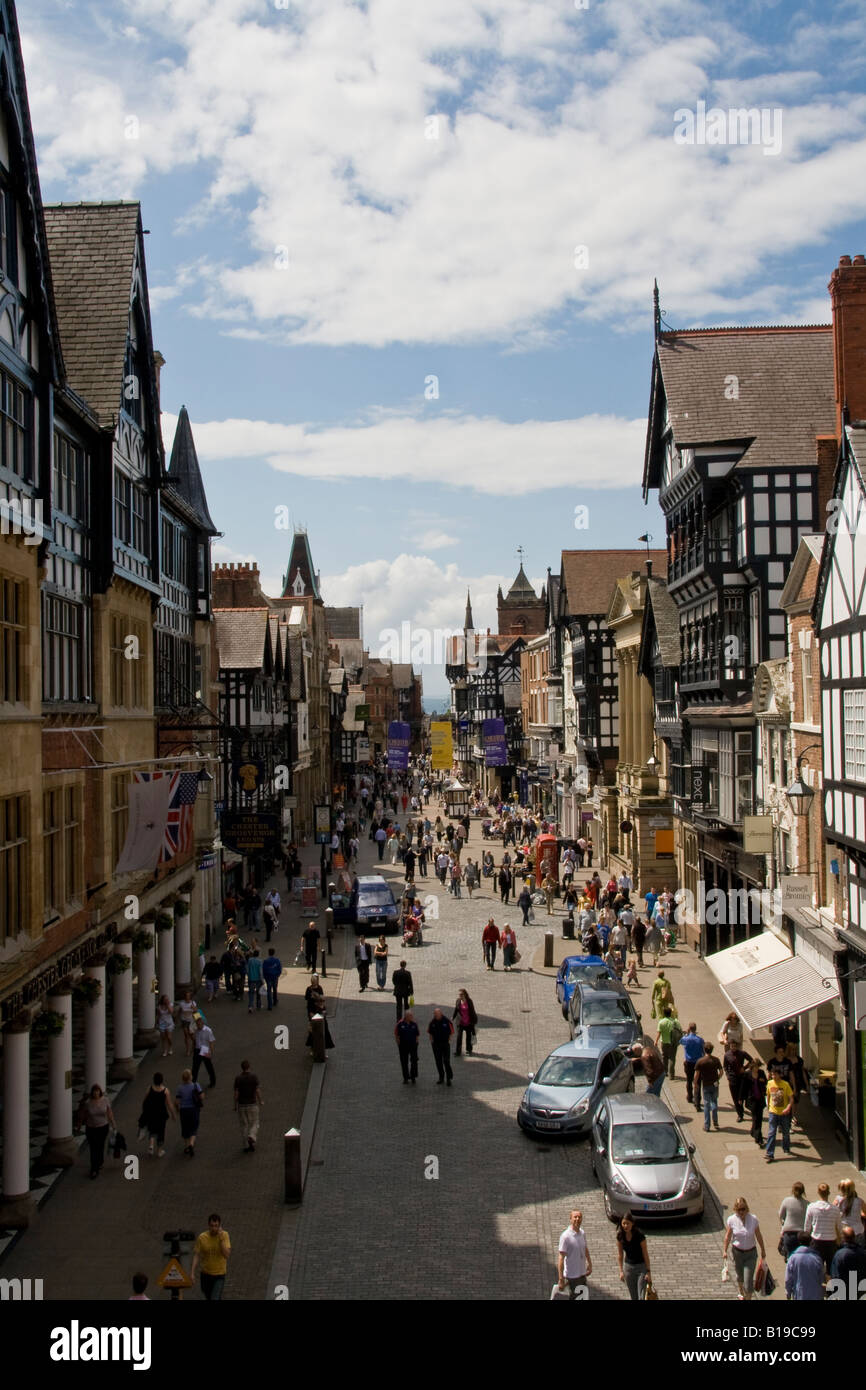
{"x":546,"y":858}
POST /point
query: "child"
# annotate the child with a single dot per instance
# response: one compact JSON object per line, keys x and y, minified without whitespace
{"x":631,"y":978}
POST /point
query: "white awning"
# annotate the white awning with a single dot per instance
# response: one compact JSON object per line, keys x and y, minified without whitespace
{"x":773,"y":986}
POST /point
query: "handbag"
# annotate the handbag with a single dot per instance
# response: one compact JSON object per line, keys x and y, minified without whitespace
{"x":516,"y":956}
{"x":648,"y":1291}
{"x":769,"y":1283}
{"x":760,"y":1276}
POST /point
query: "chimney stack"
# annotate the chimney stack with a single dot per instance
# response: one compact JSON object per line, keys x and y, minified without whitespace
{"x":237,"y":586}
{"x":848,"y":296}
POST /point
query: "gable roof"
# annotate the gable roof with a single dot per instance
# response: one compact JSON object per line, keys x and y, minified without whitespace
{"x":521,"y":590}
{"x":850,"y":470}
{"x":184,"y":474}
{"x":92,"y":248}
{"x":243,"y":639}
{"x":808,"y":554}
{"x":588,"y":577}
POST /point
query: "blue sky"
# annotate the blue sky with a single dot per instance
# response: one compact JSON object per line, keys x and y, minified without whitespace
{"x":346,"y":200}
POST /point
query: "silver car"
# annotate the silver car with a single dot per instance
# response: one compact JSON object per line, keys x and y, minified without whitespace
{"x":563,"y":1095}
{"x":641,"y":1157}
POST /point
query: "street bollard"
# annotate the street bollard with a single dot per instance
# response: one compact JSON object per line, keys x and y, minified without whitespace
{"x":329,"y":929}
{"x":294,"y":1178}
{"x":568,"y":927}
{"x":548,"y":948}
{"x":324,"y":968}
{"x":317,"y":1030}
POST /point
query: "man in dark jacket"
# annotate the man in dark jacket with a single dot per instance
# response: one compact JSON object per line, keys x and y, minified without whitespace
{"x":440,"y":1030}
{"x":707,"y":1073}
{"x":524,"y":902}
{"x":403,"y":988}
{"x":505,"y":881}
{"x":736,"y":1064}
{"x":407,"y":1034}
{"x":849,"y":1256}
{"x":363,"y":961}
{"x":310,"y":945}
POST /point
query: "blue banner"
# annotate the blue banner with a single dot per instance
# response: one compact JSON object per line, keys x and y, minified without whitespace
{"x":494,"y":743}
{"x":398,"y":745}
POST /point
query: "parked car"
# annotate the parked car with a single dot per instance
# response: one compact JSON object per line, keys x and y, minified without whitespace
{"x":603,"y":1009}
{"x":375,"y":905}
{"x":563,"y":1095}
{"x":577,"y":970}
{"x":342,"y":904}
{"x":642,"y":1160}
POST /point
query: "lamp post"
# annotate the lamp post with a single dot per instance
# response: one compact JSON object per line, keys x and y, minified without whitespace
{"x":800,"y":794}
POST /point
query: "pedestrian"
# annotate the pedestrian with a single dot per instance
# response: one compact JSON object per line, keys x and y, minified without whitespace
{"x":632,"y":976}
{"x":799,"y":1074}
{"x":186,"y":1008}
{"x":272,"y":970}
{"x":662,"y":995}
{"x":211,"y":1252}
{"x":849,"y":1258}
{"x":139,"y":1284}
{"x":470,"y":876}
{"x":731,"y":1032}
{"x":780,"y":1103}
{"x":248,"y":1103}
{"x":736,"y":1064}
{"x":505,"y":881}
{"x":467,"y":1022}
{"x":403,"y":988}
{"x":489,"y":941}
{"x":824,"y":1225}
{"x":190,"y":1099}
{"x":165,"y":1024}
{"x":314,"y":998}
{"x":753,"y":1093}
{"x":792,"y":1214}
{"x":380,"y":835}
{"x":156,"y":1110}
{"x":212,"y":972}
{"x":851,"y":1208}
{"x":743,"y":1231}
{"x":574,"y":1264}
{"x":407,"y":1034}
{"x":96,"y":1114}
{"x":508,"y":940}
{"x":226,"y":963}
{"x":239,"y":973}
{"x":270,"y":918}
{"x":380,"y":957}
{"x":310,"y":945}
{"x":204,"y":1041}
{"x":456,"y":877}
{"x":632,"y":1256}
{"x":409,"y":861}
{"x":653,"y":1070}
{"x":707,"y":1073}
{"x":549,"y":887}
{"x":276,"y":903}
{"x":524,"y":902}
{"x":254,"y":981}
{"x":693,"y":1050}
{"x":363,"y":961}
{"x":440,"y":1030}
{"x":804,"y":1275}
{"x":668,"y":1036}
{"x":653,"y":943}
{"x":638,"y":937}
{"x":651,"y":897}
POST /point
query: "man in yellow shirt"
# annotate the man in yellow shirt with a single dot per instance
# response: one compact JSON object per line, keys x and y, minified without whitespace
{"x":212,"y":1250}
{"x":780,"y":1103}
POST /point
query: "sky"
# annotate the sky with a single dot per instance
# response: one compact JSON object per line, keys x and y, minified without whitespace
{"x":401,"y":255}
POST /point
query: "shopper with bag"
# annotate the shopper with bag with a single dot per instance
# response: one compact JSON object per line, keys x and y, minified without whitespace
{"x":156,"y":1111}
{"x":508,"y":940}
{"x":743,"y":1232}
{"x":466,"y":1020}
{"x":574,"y":1264}
{"x":190,"y":1099}
{"x":633,"y":1257}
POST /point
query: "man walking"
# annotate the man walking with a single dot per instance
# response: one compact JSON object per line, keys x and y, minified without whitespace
{"x":490,"y":939}
{"x":403,"y":989}
{"x":707,"y":1073}
{"x":693,"y":1050}
{"x":668,"y":1037}
{"x":363,"y":961}
{"x":407,"y":1034}
{"x":574,"y":1265}
{"x":804,"y":1273}
{"x":310,"y":945}
{"x":780,"y":1103}
{"x":254,"y":980}
{"x":272,"y":969}
{"x":248,"y":1100}
{"x":212,"y":1250}
{"x":204,"y":1042}
{"x":850,"y":1256}
{"x":505,"y":883}
{"x":736,"y":1065}
{"x":441,"y":1030}
{"x":380,"y":836}
{"x":524,"y":902}
{"x":212,"y":972}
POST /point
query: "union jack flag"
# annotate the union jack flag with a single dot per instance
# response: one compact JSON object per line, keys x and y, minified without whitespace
{"x":178,"y":833}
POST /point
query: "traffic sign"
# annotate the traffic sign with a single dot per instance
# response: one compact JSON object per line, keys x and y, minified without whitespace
{"x":174,"y":1276}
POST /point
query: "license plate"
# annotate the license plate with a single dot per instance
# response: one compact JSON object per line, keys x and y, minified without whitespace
{"x":548,"y":1124}
{"x":660,"y":1206}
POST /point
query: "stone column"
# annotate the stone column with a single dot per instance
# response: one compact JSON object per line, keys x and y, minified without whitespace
{"x":635,"y":710}
{"x":146,"y":1035}
{"x":16,"y":1206}
{"x":624,"y":731}
{"x":94,"y":1028}
{"x":182,"y":946}
{"x":60,"y":1147}
{"x":165,"y":959}
{"x":123,"y":1067}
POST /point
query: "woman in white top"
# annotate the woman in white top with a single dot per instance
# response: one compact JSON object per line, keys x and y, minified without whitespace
{"x":165,"y":1023}
{"x":742,"y":1230}
{"x":186,"y":1008}
{"x":731,"y":1032}
{"x":851,"y":1208}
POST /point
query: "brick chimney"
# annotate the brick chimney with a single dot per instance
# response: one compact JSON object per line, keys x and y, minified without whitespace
{"x":848,"y":295}
{"x":237,"y":586}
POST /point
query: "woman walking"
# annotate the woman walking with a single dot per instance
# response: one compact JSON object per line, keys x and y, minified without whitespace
{"x":186,"y":1009}
{"x":731,"y":1032}
{"x":380,"y":960}
{"x":792,"y":1214}
{"x":190,"y":1099}
{"x":851,"y":1208}
{"x":470,"y":875}
{"x":157,"y":1110}
{"x":467,"y":1020}
{"x":742,"y":1230}
{"x":96,"y":1115}
{"x":632,"y":1255}
{"x":753,"y":1093}
{"x":165,"y":1024}
{"x":508,"y":941}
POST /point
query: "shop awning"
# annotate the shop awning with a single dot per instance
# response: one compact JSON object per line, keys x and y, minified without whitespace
{"x":230,"y":859}
{"x":765,"y":984}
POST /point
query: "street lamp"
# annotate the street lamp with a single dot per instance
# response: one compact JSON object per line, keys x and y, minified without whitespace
{"x":800,"y":794}
{"x":652,"y":764}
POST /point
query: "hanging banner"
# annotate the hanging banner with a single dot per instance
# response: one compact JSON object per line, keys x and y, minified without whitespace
{"x":149,"y":801}
{"x":398,"y":746}
{"x":442,"y":745}
{"x":362,"y":750}
{"x":494,"y":743}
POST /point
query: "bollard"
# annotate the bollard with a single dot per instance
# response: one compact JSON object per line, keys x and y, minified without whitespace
{"x":317,"y":1029}
{"x":324,"y":968}
{"x":548,"y":948}
{"x":568,"y":927}
{"x":329,"y":929}
{"x":294,"y":1178}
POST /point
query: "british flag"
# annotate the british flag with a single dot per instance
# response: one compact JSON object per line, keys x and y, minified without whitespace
{"x":178,"y":834}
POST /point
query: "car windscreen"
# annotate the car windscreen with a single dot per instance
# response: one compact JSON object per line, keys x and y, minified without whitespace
{"x":566,"y":1071}
{"x":376,"y":895}
{"x":646,"y":1143}
{"x":585,"y":972}
{"x":606,"y":1008}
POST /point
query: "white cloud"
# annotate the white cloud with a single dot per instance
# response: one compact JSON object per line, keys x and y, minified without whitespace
{"x":483,"y":453}
{"x":436,"y":540}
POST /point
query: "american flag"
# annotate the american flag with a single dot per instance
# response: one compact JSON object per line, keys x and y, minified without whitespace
{"x":177,"y":837}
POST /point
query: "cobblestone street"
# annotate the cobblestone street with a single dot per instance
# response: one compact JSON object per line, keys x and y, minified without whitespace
{"x":488,"y":1226}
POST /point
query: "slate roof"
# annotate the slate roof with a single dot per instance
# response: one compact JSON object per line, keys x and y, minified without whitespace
{"x":666,"y":619}
{"x":92,"y":251}
{"x":785,"y":390}
{"x":402,"y":674}
{"x":241,"y":635}
{"x":185,"y":475}
{"x":521,"y":589}
{"x":343,"y":622}
{"x":589,"y":576}
{"x":301,"y":559}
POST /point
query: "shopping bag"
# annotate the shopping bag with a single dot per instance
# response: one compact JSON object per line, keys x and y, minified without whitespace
{"x":556,"y":1292}
{"x":769,"y":1283}
{"x":760,"y":1276}
{"x":263,"y":990}
{"x":648,"y":1291}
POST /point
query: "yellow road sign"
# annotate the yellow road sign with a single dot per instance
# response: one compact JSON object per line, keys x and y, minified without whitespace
{"x":174,"y":1276}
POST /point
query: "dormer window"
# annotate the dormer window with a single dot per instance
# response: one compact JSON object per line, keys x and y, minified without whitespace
{"x":298,"y":586}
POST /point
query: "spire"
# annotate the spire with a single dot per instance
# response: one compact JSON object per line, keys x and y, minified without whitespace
{"x":301,"y":580}
{"x":468,"y":625}
{"x":184,"y":473}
